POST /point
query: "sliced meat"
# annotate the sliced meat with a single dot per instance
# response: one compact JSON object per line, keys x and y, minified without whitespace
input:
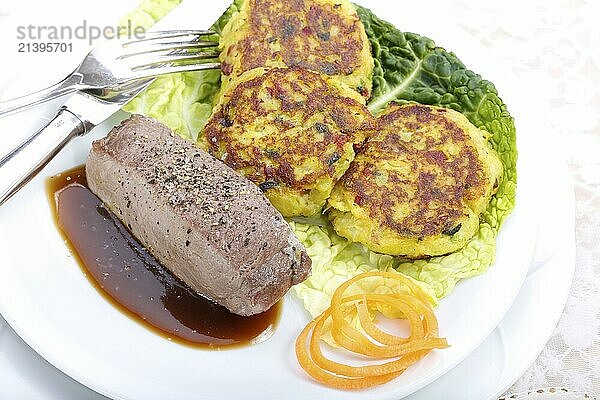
{"x":211,"y":227}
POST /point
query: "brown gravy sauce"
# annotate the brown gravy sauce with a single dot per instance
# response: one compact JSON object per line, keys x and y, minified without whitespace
{"x":130,"y":278}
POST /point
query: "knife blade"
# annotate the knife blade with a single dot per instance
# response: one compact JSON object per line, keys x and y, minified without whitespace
{"x":79,"y":115}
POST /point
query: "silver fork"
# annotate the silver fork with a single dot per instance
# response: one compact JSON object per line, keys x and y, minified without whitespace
{"x":117,"y":62}
{"x":107,"y":79}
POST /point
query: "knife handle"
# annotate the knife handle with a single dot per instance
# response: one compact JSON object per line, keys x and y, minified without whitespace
{"x":28,"y":158}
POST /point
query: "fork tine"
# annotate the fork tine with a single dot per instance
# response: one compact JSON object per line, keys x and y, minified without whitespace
{"x":164,"y":69}
{"x":173,"y":58}
{"x":161,"y":35}
{"x":167,"y":46}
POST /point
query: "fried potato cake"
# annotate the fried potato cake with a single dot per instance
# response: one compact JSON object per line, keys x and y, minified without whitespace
{"x":326,"y":36}
{"x":418,"y":185}
{"x":291,"y":131}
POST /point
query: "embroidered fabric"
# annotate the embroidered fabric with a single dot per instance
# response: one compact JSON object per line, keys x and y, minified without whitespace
{"x":555,"y":44}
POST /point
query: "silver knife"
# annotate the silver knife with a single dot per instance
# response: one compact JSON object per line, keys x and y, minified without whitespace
{"x":80,"y":114}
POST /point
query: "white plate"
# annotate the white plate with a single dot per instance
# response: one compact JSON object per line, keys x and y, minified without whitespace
{"x":489,"y":370}
{"x":50,"y":304}
{"x":485,"y":374}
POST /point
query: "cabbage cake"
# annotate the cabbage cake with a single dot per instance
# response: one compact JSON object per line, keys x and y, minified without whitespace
{"x":326,"y":36}
{"x":291,"y":131}
{"x":418,"y":185}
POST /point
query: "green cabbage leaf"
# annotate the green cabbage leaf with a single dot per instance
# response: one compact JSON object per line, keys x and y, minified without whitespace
{"x":148,"y":12}
{"x":184,"y":101}
{"x":411,"y":68}
{"x":334,"y":261}
{"x":408,"y":68}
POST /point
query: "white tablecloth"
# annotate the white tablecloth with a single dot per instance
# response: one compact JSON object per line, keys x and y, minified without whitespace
{"x":556,"y":45}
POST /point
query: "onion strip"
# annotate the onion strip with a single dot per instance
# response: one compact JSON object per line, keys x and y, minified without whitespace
{"x":405,"y":351}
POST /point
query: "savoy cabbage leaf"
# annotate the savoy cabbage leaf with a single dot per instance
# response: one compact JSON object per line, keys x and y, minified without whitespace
{"x":411,"y":68}
{"x":408,"y":67}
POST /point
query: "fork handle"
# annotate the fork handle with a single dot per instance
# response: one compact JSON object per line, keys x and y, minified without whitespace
{"x":28,"y":158}
{"x":68,"y":85}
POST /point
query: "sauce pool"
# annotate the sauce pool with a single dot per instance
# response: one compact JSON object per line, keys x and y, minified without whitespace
{"x":130,"y":278}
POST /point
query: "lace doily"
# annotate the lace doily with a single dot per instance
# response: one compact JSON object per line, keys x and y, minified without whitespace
{"x":548,"y":394}
{"x":556,"y":45}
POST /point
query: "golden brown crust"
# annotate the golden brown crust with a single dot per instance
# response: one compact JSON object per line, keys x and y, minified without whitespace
{"x":433,"y":176}
{"x":320,"y":36}
{"x":269,"y":126}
